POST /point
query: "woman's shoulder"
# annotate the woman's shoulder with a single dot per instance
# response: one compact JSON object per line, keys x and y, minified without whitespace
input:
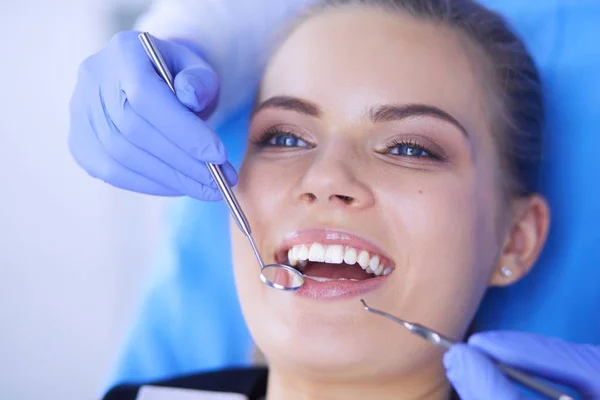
{"x":240,"y":383}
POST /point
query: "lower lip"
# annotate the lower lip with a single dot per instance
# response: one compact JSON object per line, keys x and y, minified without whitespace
{"x":337,"y":290}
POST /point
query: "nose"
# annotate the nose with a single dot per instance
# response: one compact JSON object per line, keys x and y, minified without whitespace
{"x":332,"y":180}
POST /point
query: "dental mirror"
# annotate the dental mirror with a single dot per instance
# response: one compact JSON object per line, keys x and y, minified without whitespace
{"x":277,"y":276}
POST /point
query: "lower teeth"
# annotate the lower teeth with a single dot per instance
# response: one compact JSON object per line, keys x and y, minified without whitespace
{"x":321,"y":279}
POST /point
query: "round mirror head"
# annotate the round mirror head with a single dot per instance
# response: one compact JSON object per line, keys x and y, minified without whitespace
{"x":282,"y":277}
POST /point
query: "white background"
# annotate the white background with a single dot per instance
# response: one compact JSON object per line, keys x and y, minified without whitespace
{"x":74,"y":252}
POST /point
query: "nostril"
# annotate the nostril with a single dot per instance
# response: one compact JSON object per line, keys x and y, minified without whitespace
{"x":313,"y":198}
{"x":345,"y":199}
{"x":310,"y":197}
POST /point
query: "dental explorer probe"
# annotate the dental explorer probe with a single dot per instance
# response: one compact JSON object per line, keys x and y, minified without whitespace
{"x":278,"y":276}
{"x":445,"y":343}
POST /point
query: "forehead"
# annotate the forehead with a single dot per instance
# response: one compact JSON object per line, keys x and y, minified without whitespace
{"x":346,"y":60}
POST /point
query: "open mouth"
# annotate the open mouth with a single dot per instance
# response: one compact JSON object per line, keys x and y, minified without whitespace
{"x":329,"y":262}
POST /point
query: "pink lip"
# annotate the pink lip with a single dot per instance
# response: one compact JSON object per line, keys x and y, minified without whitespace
{"x":328,"y":237}
{"x":338,"y":290}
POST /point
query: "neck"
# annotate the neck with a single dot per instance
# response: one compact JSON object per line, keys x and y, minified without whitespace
{"x":421,"y":385}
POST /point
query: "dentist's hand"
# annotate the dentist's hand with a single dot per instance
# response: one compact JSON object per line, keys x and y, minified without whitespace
{"x":475,"y":377}
{"x":130,"y":130}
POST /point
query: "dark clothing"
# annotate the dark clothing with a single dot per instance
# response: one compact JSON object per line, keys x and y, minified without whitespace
{"x":251,"y":382}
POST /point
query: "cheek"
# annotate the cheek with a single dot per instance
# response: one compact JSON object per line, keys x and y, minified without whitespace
{"x":446,"y":246}
{"x":262,"y":190}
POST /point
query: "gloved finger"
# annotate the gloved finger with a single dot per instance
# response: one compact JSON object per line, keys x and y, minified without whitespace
{"x":196,"y":86}
{"x":147,"y":165}
{"x":196,"y":83}
{"x":576,"y":365}
{"x":152,"y":99}
{"x":475,"y":377}
{"x":90,"y":155}
{"x":230,"y":173}
{"x":137,"y":131}
{"x":152,"y":168}
{"x":186,"y":89}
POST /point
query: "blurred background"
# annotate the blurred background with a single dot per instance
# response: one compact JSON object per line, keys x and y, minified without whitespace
{"x":75,"y":252}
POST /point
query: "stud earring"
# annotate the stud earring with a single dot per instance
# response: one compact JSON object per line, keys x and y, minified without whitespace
{"x":505,"y":271}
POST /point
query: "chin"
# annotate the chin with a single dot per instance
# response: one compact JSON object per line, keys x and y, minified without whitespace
{"x":324,"y":341}
{"x":325,"y":357}
{"x":349,"y":357}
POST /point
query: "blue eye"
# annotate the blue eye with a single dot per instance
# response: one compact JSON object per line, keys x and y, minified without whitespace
{"x":287,"y":140}
{"x":277,"y":138}
{"x":410,"y":150}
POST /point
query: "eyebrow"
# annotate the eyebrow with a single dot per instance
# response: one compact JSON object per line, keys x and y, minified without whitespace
{"x":378,"y":114}
{"x":291,"y":104}
{"x":391,"y":112}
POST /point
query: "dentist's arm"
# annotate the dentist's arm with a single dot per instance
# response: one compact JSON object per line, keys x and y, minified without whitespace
{"x":475,"y":377}
{"x":126,"y":126}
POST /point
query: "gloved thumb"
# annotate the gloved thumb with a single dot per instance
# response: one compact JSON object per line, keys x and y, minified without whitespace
{"x":574,"y":364}
{"x":475,"y":377}
{"x":196,"y":82}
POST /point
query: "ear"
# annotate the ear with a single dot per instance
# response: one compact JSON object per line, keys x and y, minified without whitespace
{"x":524,"y":240}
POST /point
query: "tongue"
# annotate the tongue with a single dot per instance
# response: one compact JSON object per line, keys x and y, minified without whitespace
{"x":336,"y":271}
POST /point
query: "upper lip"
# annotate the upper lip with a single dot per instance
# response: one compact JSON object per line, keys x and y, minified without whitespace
{"x":327,"y":236}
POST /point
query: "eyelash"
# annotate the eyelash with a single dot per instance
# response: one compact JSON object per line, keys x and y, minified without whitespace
{"x":272,"y":133}
{"x":275,"y":132}
{"x":410,"y":143}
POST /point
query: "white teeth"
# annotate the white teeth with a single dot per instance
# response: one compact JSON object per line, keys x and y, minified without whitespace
{"x":293,"y":260}
{"x":363,"y":259}
{"x":350,"y":256}
{"x":299,"y":255}
{"x":302,"y":252}
{"x":374,"y":263}
{"x":334,"y":254}
{"x":318,"y":278}
{"x":316,"y":253}
{"x":321,"y":279}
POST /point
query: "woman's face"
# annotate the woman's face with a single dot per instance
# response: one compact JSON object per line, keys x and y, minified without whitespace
{"x":371,"y":134}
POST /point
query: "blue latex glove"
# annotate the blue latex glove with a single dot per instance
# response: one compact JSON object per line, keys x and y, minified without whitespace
{"x":475,"y":377}
{"x":130,"y":130}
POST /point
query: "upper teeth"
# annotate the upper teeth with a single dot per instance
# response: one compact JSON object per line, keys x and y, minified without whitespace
{"x":336,"y":254}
